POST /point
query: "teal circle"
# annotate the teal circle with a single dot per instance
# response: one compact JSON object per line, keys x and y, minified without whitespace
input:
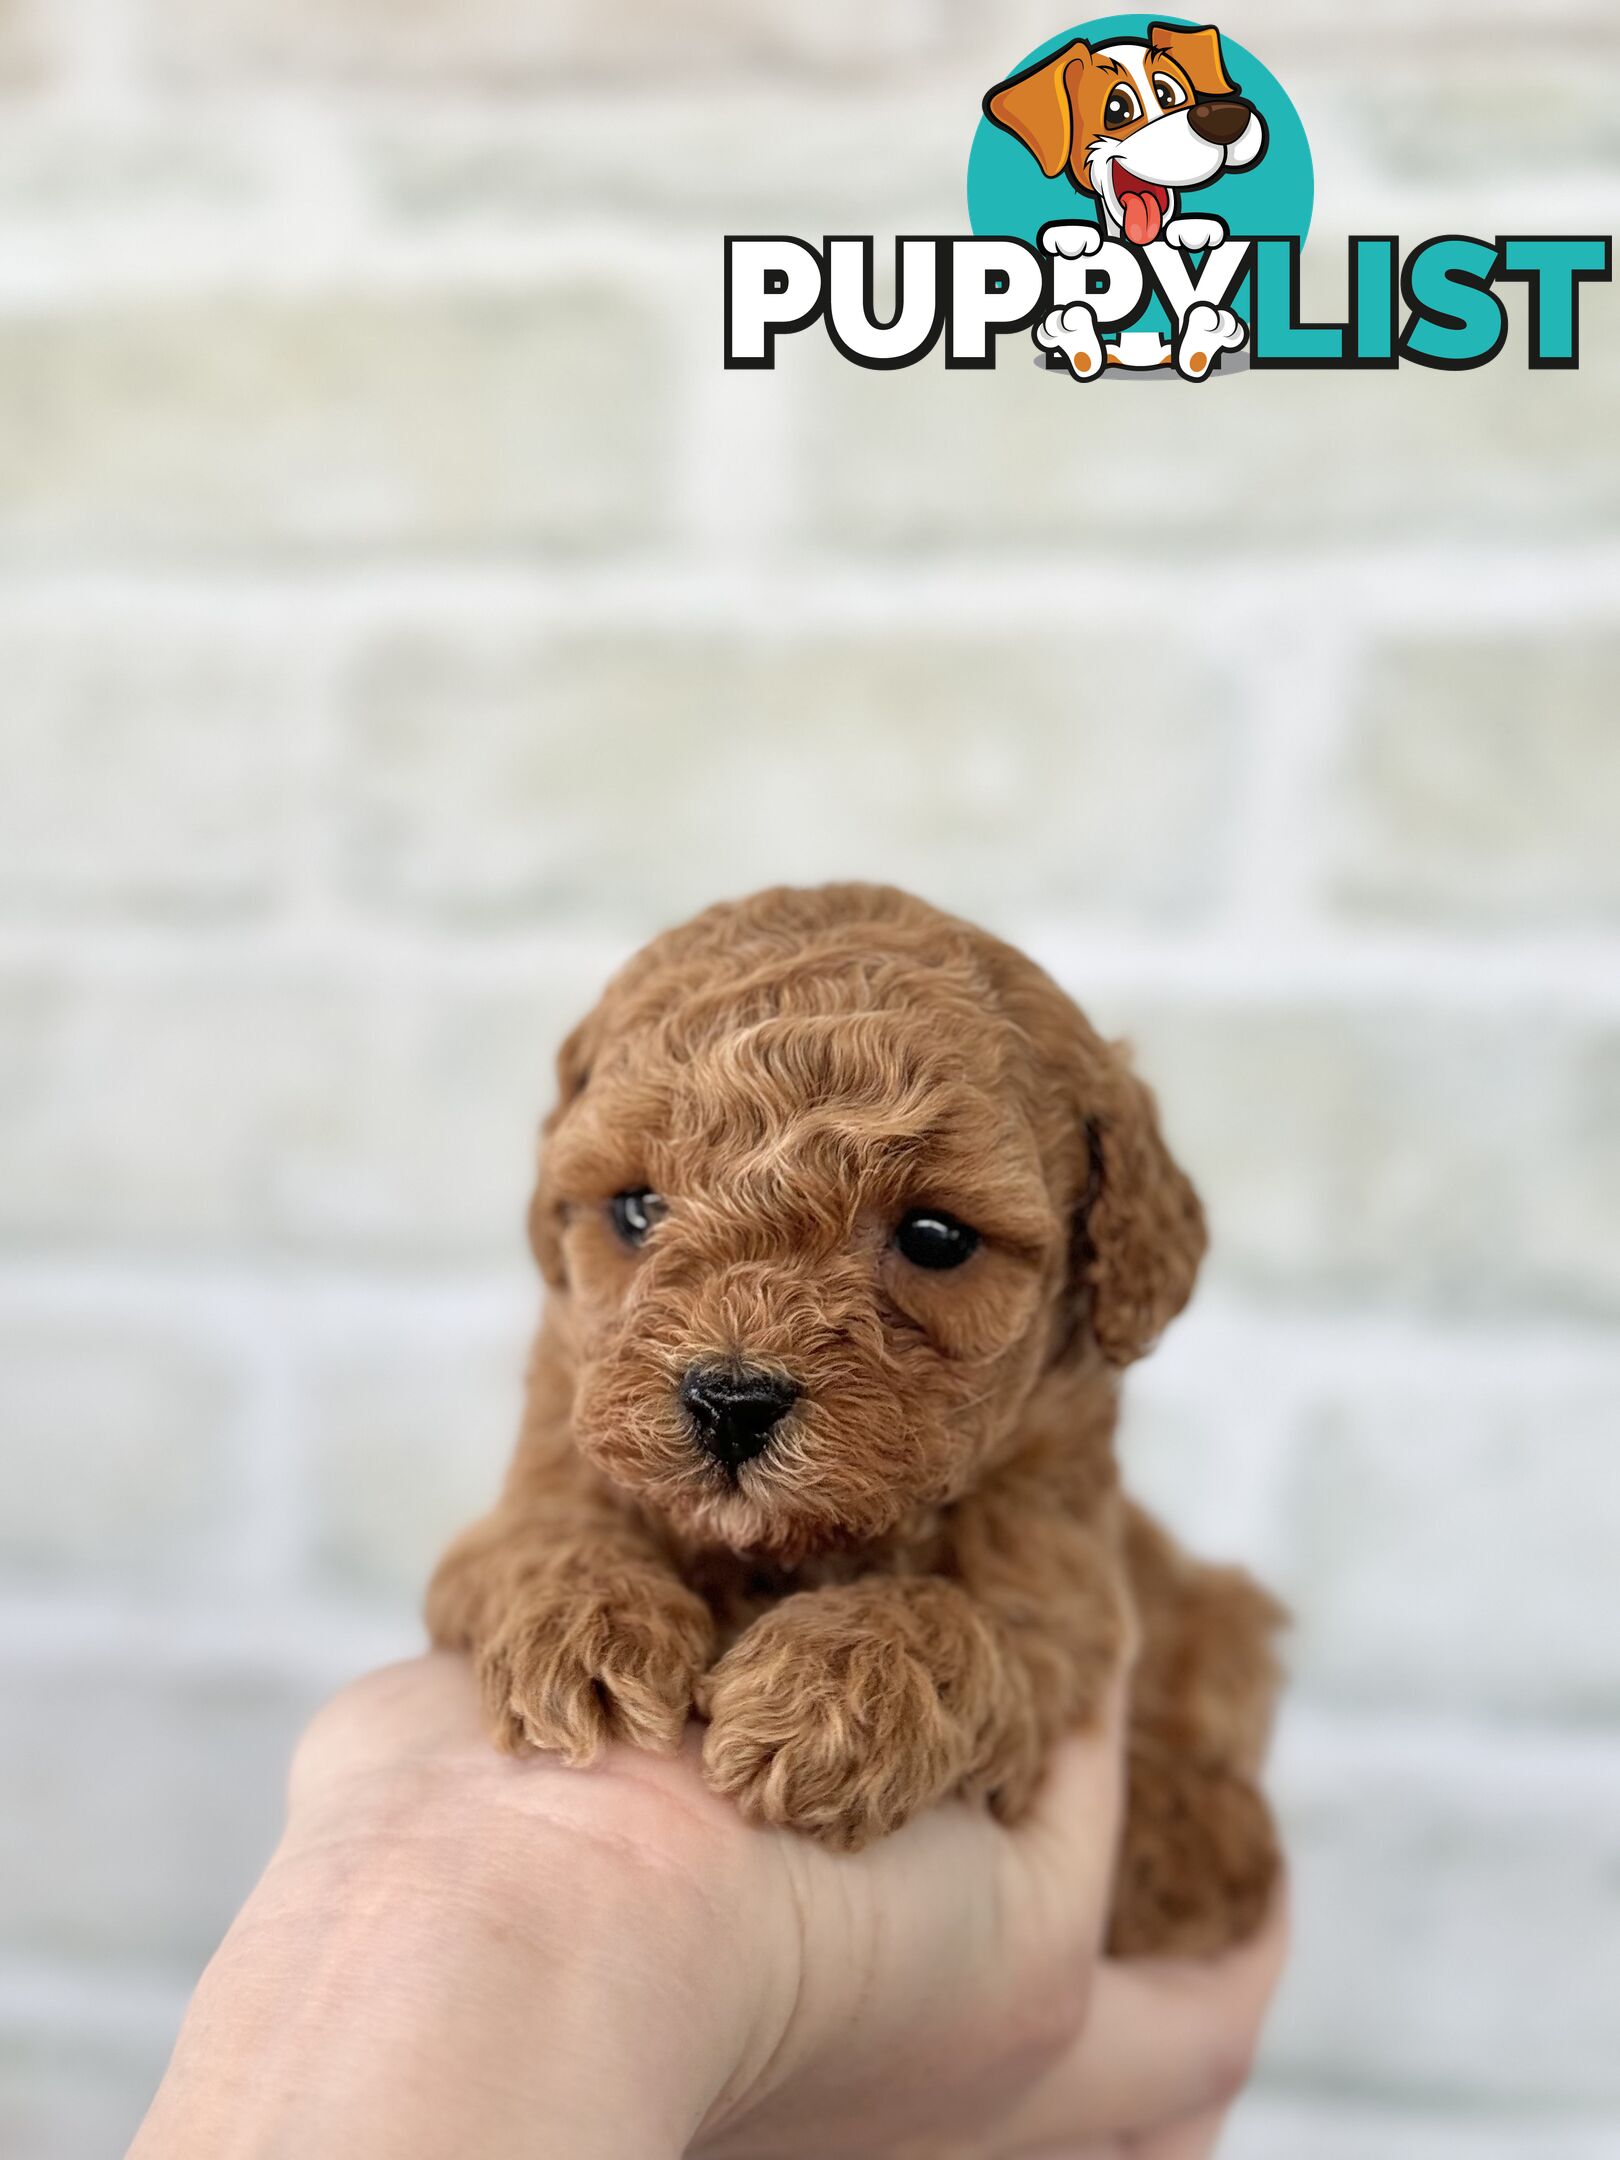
{"x":1007,"y":192}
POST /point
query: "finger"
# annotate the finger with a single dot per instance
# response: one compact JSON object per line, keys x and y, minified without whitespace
{"x":1112,"y":2149}
{"x":1069,"y":1842}
{"x":1194,"y":2139}
{"x":1162,"y":2042}
{"x":418,"y":1706}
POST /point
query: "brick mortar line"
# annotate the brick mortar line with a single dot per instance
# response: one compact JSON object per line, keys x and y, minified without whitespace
{"x":939,"y":71}
{"x":307,"y":1641}
{"x":938,"y":93}
{"x":314,"y":248}
{"x":1335,"y":967}
{"x":94,"y":43}
{"x":1282,"y":2094}
{"x":1322,"y":1743}
{"x":273,"y":132}
{"x":1298,"y":711}
{"x":362,"y":236}
{"x":1434,"y":585}
{"x":140,"y":2004}
{"x":50,"y":273}
{"x":263,"y":1305}
{"x":291,"y":1635}
{"x":227,"y":1292}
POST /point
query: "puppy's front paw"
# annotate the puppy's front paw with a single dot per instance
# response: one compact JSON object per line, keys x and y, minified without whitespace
{"x":823,"y":1720}
{"x":581,"y":1663}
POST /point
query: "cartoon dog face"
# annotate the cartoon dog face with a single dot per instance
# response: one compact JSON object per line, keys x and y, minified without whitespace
{"x":835,"y":1186}
{"x":1134,"y":122}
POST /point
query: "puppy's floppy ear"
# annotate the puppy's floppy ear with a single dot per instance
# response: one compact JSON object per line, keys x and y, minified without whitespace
{"x":1139,"y":1232}
{"x":1197,"y":53}
{"x":573,"y":1071}
{"x":1036,"y":106}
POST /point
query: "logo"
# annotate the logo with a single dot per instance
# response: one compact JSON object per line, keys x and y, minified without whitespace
{"x":1139,"y":192}
{"x":1116,"y":154}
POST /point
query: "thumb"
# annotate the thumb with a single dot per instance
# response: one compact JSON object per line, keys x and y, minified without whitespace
{"x":1068,"y":1845}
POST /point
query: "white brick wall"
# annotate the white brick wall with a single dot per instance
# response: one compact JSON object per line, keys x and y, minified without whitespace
{"x":401,"y":613}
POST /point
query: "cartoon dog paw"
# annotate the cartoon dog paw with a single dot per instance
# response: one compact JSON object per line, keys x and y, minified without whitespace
{"x":1206,"y":333}
{"x":1072,"y":332}
{"x":1194,"y":234}
{"x":1071,"y":240}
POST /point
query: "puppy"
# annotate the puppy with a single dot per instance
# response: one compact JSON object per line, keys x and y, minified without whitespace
{"x":1135,"y":124}
{"x":849,"y":1224}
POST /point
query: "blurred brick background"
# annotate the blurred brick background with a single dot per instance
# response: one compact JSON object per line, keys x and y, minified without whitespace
{"x":401,"y":614}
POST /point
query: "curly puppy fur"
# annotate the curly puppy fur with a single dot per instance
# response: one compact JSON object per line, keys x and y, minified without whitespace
{"x":929,"y":1573}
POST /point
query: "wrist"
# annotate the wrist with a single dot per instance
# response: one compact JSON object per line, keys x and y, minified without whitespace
{"x":440,"y":1979}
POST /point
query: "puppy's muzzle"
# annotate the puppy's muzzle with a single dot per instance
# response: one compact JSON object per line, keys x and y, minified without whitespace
{"x":734,"y":1409}
{"x":1219,"y":120}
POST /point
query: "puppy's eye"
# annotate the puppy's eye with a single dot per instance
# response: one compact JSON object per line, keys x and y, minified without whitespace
{"x":1121,"y":108}
{"x":634,"y":1213}
{"x":929,"y":1238}
{"x":1168,"y":92}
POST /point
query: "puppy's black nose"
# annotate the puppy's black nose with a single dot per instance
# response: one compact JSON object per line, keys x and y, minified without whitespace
{"x":1219,"y":120}
{"x":735,"y":1408}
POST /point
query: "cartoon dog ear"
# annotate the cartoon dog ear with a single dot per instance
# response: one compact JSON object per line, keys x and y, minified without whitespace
{"x":1197,"y":53}
{"x":1139,"y":1230}
{"x":1036,"y":106}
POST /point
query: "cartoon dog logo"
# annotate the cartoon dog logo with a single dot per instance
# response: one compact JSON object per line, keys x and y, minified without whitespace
{"x":1135,"y":123}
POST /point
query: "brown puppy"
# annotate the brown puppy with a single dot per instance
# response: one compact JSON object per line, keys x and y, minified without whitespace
{"x":849,"y":1223}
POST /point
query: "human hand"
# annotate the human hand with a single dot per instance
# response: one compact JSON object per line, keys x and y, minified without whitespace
{"x":454,"y":1952}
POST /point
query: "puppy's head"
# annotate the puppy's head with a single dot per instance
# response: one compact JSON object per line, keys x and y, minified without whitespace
{"x":1133,"y":122}
{"x":835,"y":1185}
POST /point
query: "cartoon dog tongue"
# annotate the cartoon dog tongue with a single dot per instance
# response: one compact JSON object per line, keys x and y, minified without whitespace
{"x":1139,"y":207}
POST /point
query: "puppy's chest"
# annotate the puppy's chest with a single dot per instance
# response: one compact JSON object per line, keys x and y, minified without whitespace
{"x":738,"y":1587}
